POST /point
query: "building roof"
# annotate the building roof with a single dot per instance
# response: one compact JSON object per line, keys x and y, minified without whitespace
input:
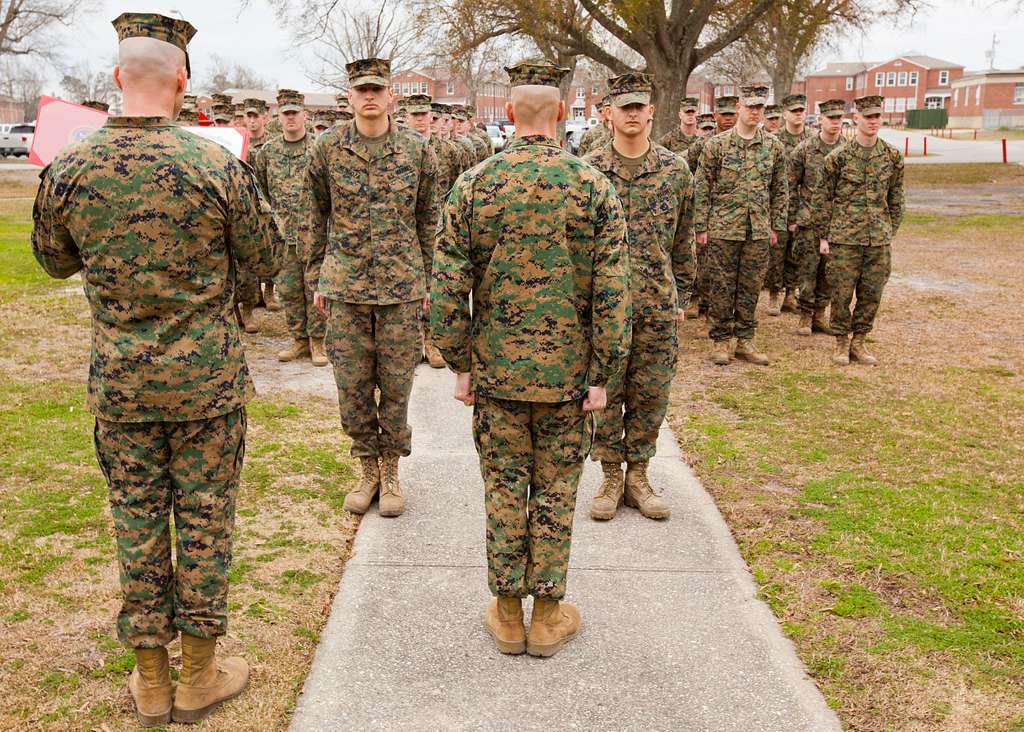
{"x":926,"y":62}
{"x":843,"y":68}
{"x":985,"y":73}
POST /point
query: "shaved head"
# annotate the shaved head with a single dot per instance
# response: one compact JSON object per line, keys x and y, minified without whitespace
{"x":151,"y":72}
{"x":536,"y":106}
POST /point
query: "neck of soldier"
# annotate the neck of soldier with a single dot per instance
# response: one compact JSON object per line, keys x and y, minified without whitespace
{"x":148,"y":103}
{"x":374,"y":127}
{"x":829,"y":138}
{"x":744,"y":130}
{"x":688,"y":130}
{"x":533,"y":130}
{"x":294,"y":135}
{"x":794,"y":128}
{"x":865,"y":140}
{"x":631,"y":146}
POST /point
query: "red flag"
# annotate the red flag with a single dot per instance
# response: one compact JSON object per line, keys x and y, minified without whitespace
{"x":59,"y":124}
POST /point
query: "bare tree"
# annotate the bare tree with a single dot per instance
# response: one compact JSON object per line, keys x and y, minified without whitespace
{"x":22,"y":82}
{"x":80,"y":83}
{"x":27,"y":26}
{"x":225,"y":74}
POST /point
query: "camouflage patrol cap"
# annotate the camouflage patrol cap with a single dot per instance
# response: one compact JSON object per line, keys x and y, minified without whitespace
{"x":220,"y":99}
{"x":289,"y":100}
{"x":369,"y":72}
{"x":832,"y":107}
{"x":535,"y":72}
{"x":688,"y":104}
{"x":470,"y":110}
{"x":726,"y":105}
{"x":871,"y":104}
{"x":175,"y":31}
{"x":254,"y":105}
{"x":458,"y":111}
{"x":418,"y":103}
{"x":606,"y":101}
{"x":188,"y":117}
{"x":440,"y":109}
{"x":189,"y":101}
{"x":222,"y":113}
{"x":706,"y":121}
{"x":344,"y":115}
{"x":791,"y":102}
{"x":630,"y":88}
{"x":754,"y":95}
{"x":772,"y":111}
{"x":99,"y":106}
{"x":238,"y":110}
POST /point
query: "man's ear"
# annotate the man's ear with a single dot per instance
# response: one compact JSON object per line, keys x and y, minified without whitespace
{"x":508,"y":112}
{"x":561,"y":109}
{"x":117,"y":77}
{"x":182,"y":81}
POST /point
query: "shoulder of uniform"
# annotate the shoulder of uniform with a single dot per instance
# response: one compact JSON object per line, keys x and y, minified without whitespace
{"x":600,"y":157}
{"x":891,"y":150}
{"x":667,"y":157}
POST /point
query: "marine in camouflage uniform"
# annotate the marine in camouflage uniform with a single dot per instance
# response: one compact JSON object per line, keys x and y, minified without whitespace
{"x":280,"y":168}
{"x":459,"y":119}
{"x":686,"y":134}
{"x":656,"y":192}
{"x":784,"y":264}
{"x":479,"y":134}
{"x":741,"y":196}
{"x":597,"y":136}
{"x":159,"y":239}
{"x":772,"y":118}
{"x":255,"y":291}
{"x":857,"y":209}
{"x":451,"y":157}
{"x":531,"y":304}
{"x":706,"y":125}
{"x":375,"y":219}
{"x":805,"y":164}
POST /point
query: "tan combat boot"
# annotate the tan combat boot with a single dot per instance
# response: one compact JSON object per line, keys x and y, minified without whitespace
{"x":775,"y":303}
{"x":434,"y":357}
{"x":789,"y":304}
{"x":818,"y":323}
{"x":206,"y":681}
{"x":269,"y":299}
{"x":803,"y":328}
{"x":360,"y":499}
{"x":552,"y":625}
{"x":391,"y":501}
{"x":317,"y":351}
{"x":504,"y":621}
{"x":720,"y":353}
{"x":841,"y":353}
{"x":150,"y":686}
{"x":609,"y":497}
{"x":745,"y":351}
{"x":298,"y":349}
{"x":245,"y":314}
{"x":640,"y":494}
{"x":859,"y":351}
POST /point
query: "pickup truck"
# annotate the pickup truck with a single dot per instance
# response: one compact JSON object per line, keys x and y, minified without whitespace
{"x":16,"y":139}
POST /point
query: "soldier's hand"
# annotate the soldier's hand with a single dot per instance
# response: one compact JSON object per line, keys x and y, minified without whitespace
{"x":773,"y":237}
{"x":320,"y":303}
{"x":793,"y":228}
{"x":823,"y":246}
{"x":596,"y":400}
{"x":464,"y":389}
{"x":702,"y":238}
{"x":680,"y":316}
{"x":426,"y":305}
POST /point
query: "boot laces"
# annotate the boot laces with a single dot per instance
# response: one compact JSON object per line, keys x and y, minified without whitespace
{"x":389,"y":478}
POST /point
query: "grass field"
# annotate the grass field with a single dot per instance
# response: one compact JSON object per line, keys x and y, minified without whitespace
{"x":62,"y":665}
{"x":881,"y":509}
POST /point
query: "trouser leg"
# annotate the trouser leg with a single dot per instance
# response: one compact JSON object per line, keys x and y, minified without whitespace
{"x":351,"y":348}
{"x":652,"y":366}
{"x":292,"y":289}
{"x":723,"y":257}
{"x":877,"y":264}
{"x":844,"y":268}
{"x":753,"y":259}
{"x":399,"y":348}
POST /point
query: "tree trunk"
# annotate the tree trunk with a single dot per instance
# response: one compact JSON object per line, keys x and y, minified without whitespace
{"x":782,"y":81}
{"x":669,"y":90}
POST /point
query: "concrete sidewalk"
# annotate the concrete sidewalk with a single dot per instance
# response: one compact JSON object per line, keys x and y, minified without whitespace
{"x":945,"y":151}
{"x":673,"y":637}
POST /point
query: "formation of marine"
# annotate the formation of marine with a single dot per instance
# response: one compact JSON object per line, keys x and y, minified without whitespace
{"x":552,"y":284}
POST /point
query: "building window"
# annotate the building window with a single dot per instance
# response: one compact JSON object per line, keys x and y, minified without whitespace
{"x":901,"y":104}
{"x":890,"y":104}
{"x":581,"y":93}
{"x":397,"y":88}
{"x":956,"y":97}
{"x":405,"y":88}
{"x":849,"y":83}
{"x":977,"y":94}
{"x":593,"y":89}
{"x":890,"y":79}
{"x":933,"y":103}
{"x":423,"y":88}
{"x":1018,"y":93}
{"x":880,"y":79}
{"x":943,"y":77}
{"x":903,"y":78}
{"x":912,"y":103}
{"x":449,"y":88}
{"x":913,"y":78}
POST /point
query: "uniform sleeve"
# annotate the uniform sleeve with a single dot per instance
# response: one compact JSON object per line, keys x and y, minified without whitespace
{"x":427,"y":204}
{"x":319,"y":183}
{"x":683,"y":267}
{"x":796,"y":176}
{"x":52,"y":244}
{"x":693,"y":154}
{"x":707,"y":171}
{"x":259,"y":167}
{"x":780,"y":190}
{"x":252,"y":236}
{"x":611,"y":308}
{"x":824,"y":193}
{"x":895,"y":195}
{"x":450,"y":315}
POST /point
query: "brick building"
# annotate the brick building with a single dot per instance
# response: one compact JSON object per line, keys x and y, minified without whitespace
{"x":11,"y":111}
{"x":440,"y":84}
{"x":988,"y":99}
{"x":911,"y":81}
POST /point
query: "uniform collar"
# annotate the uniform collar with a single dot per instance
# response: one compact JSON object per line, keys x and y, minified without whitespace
{"x":138,"y":122}
{"x":531,"y":140}
{"x":606,"y":159}
{"x":758,"y":138}
{"x":352,"y":140}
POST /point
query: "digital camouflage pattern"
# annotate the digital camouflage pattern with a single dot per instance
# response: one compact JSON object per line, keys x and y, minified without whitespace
{"x":376,"y":219}
{"x":860,"y":197}
{"x":178,"y":226}
{"x":531,"y":458}
{"x":594,"y":139}
{"x":176,"y":31}
{"x":741,"y":188}
{"x":858,"y":270}
{"x":483,"y":141}
{"x":535,"y":72}
{"x":537,"y":238}
{"x":678,"y":142}
{"x":735,"y":273}
{"x":785,"y":258}
{"x":805,"y":165}
{"x":375,"y":347}
{"x":790,"y":141}
{"x":694,"y":152}
{"x":281,"y":173}
{"x":190,"y":469}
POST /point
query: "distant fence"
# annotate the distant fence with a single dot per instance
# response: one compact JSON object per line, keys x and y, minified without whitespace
{"x":927,"y":119}
{"x":993,"y":119}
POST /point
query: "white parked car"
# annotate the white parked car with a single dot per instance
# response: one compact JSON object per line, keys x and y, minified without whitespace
{"x":17,"y":140}
{"x":497,"y":137}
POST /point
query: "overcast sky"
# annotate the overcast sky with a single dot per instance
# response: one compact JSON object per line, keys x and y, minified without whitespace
{"x":955,"y":31}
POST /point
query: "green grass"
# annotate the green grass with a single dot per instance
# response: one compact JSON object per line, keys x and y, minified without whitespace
{"x":960,"y":174}
{"x":19,"y":271}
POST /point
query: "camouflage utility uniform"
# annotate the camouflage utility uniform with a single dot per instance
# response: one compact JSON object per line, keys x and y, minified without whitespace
{"x":657,"y":199}
{"x":375,"y":218}
{"x":168,"y":380}
{"x":537,"y":239}
{"x":740,"y":195}
{"x":280,"y":168}
{"x":594,"y":139}
{"x":784,"y":264}
{"x":679,"y":142}
{"x":857,"y":208}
